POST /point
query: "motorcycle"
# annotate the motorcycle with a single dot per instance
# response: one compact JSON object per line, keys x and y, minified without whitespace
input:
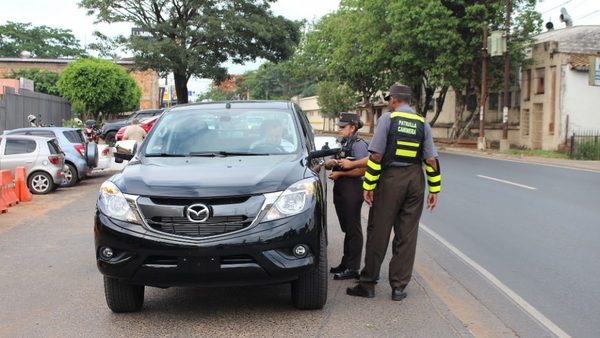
{"x":34,"y":122}
{"x":90,"y":131}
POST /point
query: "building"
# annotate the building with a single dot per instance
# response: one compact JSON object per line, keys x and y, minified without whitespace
{"x":557,"y":96}
{"x":147,"y":80}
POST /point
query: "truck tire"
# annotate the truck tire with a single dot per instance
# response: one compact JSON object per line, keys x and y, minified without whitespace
{"x":110,"y":138}
{"x":121,"y":297}
{"x":309,"y":292}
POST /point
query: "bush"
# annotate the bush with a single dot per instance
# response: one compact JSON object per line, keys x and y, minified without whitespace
{"x":587,"y":151}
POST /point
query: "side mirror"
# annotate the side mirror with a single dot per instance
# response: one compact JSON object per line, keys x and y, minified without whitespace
{"x":323,"y":153}
{"x":125,"y":150}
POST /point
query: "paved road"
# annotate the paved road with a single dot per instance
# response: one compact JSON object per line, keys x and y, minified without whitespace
{"x":50,"y":287}
{"x":536,"y":228}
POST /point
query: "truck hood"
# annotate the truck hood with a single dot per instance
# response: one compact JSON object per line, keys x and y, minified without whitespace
{"x":190,"y":177}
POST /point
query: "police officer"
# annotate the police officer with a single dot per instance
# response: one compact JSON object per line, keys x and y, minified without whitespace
{"x":348,"y":195}
{"x":394,"y":188}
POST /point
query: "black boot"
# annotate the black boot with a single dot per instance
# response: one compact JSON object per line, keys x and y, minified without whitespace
{"x":338,"y":268}
{"x":346,"y":274}
{"x":398,"y":294}
{"x":361,"y":291}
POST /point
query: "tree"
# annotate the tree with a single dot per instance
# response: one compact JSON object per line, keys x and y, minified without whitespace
{"x":351,"y":44}
{"x":334,"y":98}
{"x":232,"y":88}
{"x":44,"y":81}
{"x":100,"y":85}
{"x":194,"y":38}
{"x":40,"y":41}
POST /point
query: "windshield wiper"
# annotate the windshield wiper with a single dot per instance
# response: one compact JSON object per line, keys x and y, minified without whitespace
{"x":164,"y":155}
{"x":224,"y":154}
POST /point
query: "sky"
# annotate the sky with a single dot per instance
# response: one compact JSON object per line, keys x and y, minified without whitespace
{"x":67,"y":15}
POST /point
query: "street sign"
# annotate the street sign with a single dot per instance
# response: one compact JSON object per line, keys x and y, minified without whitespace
{"x":496,"y":43}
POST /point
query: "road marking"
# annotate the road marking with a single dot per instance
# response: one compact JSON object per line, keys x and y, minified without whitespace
{"x":528,"y":308}
{"x":507,"y":182}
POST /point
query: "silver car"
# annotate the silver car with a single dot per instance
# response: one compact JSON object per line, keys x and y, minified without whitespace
{"x":42,"y":158}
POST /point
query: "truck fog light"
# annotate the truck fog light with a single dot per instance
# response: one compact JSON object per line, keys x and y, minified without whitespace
{"x":106,"y":253}
{"x":300,"y":251}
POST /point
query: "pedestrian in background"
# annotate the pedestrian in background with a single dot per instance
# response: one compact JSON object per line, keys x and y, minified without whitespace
{"x":134,"y":132}
{"x":394,"y":188}
{"x":348,"y":195}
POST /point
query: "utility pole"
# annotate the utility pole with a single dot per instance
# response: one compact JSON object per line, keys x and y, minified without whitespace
{"x":481,"y":145}
{"x":504,"y":144}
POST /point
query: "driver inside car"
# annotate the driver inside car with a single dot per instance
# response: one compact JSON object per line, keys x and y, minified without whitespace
{"x":272,"y":139}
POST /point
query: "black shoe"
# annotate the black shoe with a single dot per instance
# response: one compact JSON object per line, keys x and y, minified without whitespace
{"x":339,"y":268}
{"x":346,"y":274}
{"x":398,"y":294}
{"x":361,"y":291}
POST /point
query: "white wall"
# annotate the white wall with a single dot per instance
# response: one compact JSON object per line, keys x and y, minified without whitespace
{"x":581,"y":101}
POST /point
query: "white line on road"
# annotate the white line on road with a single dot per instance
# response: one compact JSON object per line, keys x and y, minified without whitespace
{"x":528,"y":308}
{"x":507,"y":182}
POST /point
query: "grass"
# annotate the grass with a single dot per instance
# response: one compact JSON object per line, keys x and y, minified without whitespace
{"x":538,"y":153}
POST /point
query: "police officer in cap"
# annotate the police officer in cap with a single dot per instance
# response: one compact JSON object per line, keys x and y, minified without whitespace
{"x":394,"y":188}
{"x":348,"y":194}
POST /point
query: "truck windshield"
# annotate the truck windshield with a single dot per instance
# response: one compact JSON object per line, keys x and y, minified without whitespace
{"x":233,"y":132}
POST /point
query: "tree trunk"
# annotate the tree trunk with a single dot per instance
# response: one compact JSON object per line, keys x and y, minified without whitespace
{"x":467,"y":127}
{"x":458,"y":114}
{"x":440,"y":104}
{"x":370,"y":114}
{"x":181,"y":89}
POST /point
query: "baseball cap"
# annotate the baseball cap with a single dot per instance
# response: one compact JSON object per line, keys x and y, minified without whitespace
{"x":348,"y":118}
{"x":397,"y":89}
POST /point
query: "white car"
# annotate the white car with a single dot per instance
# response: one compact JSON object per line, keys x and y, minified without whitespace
{"x":104,"y":157}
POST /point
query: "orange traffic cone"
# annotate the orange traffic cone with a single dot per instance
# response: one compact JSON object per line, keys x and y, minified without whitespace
{"x":23,"y":193}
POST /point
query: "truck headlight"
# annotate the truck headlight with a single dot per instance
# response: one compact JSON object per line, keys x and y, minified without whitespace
{"x":294,"y":200}
{"x":115,"y":205}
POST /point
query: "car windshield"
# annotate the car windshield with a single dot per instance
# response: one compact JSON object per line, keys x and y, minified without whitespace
{"x":224,"y":132}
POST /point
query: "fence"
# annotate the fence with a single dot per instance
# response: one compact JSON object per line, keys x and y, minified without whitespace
{"x":14,"y":109}
{"x":585,"y":145}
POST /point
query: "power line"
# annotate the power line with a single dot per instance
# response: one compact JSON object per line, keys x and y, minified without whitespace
{"x":553,"y":8}
{"x":592,"y":13}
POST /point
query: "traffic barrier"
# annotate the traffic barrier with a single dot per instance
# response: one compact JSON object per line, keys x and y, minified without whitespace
{"x":23,"y":193}
{"x":8,"y":188}
{"x":3,"y":205}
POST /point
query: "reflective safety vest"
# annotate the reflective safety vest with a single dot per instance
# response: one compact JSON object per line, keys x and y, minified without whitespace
{"x":405,"y":139}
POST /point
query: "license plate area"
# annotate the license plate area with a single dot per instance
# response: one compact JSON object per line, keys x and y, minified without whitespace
{"x":199,"y":264}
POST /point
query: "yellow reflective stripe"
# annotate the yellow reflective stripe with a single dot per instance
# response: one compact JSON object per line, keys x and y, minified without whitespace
{"x":429,"y":169}
{"x":372,"y":178}
{"x":406,"y":153}
{"x":435,"y":189}
{"x":374,"y":165}
{"x":434,"y":179}
{"x":367,"y":186}
{"x":408,"y":116}
{"x":410,"y":144}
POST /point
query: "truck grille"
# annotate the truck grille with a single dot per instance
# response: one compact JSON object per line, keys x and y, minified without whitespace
{"x":216,"y":225}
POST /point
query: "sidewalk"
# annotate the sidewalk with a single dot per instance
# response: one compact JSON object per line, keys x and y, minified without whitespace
{"x":495,"y":154}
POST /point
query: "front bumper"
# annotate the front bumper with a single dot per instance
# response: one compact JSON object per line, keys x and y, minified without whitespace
{"x":261,"y":254}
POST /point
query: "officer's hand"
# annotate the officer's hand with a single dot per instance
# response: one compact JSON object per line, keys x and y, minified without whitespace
{"x":344,"y":163}
{"x":431,"y":201}
{"x":368,"y":196}
{"x":335,"y":175}
{"x":330,"y":164}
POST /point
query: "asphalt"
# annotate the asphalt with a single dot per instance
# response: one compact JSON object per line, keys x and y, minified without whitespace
{"x":50,"y":287}
{"x":539,"y":238}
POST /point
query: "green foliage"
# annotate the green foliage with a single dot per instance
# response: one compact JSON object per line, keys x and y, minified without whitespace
{"x":100,"y":85}
{"x":40,"y":41}
{"x":334,"y":98}
{"x":195,"y":38}
{"x":589,"y":150}
{"x":72,"y":123}
{"x":44,"y":81}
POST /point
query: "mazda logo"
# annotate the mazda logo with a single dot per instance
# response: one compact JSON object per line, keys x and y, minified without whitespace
{"x":197,"y":213}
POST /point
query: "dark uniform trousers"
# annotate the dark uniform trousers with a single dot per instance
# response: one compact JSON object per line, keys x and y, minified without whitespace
{"x":348,"y":200}
{"x":398,"y":204}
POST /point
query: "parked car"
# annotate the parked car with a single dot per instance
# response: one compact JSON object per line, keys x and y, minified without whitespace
{"x":229,"y":205}
{"x":80,"y":157}
{"x":146,"y":125}
{"x":42,"y":158}
{"x":109,"y":129}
